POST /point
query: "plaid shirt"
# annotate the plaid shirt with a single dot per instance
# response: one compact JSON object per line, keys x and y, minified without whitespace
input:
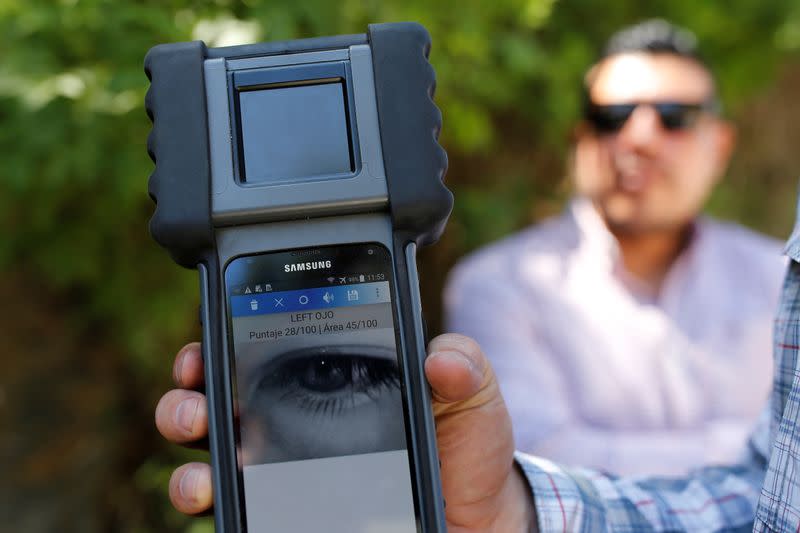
{"x":761,"y":493}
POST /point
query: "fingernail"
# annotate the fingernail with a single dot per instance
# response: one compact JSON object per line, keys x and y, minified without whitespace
{"x":185,"y":414}
{"x":188,"y":485}
{"x":457,"y":357}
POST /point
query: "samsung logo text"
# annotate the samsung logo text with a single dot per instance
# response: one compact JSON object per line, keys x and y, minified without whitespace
{"x":311,"y":265}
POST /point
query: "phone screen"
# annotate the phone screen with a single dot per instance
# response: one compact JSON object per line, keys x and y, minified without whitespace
{"x":318,"y":391}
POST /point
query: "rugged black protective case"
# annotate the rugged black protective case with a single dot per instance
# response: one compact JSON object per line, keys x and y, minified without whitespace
{"x":419,"y":205}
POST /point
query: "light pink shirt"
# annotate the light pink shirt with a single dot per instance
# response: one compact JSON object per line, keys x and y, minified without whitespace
{"x":597,"y":374}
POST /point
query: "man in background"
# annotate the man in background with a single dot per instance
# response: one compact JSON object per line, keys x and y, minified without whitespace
{"x":631,"y":333}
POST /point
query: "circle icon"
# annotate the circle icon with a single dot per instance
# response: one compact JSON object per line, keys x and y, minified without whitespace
{"x":303,"y":300}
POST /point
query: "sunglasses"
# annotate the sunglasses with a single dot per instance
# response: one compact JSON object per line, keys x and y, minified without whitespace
{"x":674,"y":116}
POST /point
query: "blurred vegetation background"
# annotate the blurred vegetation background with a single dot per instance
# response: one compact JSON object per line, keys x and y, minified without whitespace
{"x":93,"y":311}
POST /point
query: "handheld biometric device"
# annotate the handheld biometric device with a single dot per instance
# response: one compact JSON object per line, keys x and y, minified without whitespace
{"x":300,"y":178}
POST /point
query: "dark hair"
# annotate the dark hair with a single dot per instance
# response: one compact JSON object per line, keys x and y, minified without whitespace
{"x":653,"y":36}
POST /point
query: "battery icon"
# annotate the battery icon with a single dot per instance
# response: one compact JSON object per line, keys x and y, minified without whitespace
{"x":361,"y":278}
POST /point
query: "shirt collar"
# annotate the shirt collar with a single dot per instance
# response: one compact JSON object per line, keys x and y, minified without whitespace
{"x":594,"y":234}
{"x":597,"y":241}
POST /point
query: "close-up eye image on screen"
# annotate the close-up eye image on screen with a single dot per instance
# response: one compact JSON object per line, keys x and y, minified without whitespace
{"x":318,"y":384}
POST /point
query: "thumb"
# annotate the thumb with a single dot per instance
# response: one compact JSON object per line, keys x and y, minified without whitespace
{"x":456,"y":370}
{"x":473,"y":430}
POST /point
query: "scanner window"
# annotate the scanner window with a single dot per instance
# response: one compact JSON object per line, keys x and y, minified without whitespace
{"x":295,"y":133}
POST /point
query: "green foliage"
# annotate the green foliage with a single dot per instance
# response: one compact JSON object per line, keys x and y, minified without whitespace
{"x":73,"y":202}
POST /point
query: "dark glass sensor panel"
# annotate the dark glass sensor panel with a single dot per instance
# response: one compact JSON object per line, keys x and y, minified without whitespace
{"x":294,"y":133}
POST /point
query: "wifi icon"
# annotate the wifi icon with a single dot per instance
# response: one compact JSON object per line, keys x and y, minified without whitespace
{"x":331,"y":280}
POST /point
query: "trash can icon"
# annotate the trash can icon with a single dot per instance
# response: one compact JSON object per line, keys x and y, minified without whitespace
{"x":253,"y":305}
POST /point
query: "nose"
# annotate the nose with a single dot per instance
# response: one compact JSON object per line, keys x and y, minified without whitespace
{"x":642,"y":130}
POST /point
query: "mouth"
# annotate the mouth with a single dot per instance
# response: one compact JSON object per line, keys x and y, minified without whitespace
{"x":634,"y":182}
{"x":635,"y":174}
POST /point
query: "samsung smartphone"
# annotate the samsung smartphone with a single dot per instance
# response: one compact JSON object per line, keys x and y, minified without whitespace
{"x":322,"y":424}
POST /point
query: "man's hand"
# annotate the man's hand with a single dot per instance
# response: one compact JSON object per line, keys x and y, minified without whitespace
{"x":181,"y":416}
{"x":483,"y":489}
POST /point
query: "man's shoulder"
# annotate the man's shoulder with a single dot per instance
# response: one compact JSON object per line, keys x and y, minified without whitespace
{"x":733,"y":238}
{"x":746,"y":250}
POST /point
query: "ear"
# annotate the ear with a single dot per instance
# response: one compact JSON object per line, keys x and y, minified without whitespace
{"x":576,"y":136}
{"x":590,"y":167}
{"x":725,"y":142}
{"x":580,"y":131}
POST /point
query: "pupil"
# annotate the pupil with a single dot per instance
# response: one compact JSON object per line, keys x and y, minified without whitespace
{"x":323,"y":375}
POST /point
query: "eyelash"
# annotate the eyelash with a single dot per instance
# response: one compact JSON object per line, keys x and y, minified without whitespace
{"x":360,"y":374}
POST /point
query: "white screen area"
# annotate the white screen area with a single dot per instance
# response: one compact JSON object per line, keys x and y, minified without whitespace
{"x":367,"y":493}
{"x":321,"y":416}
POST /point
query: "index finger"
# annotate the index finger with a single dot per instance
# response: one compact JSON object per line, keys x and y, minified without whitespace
{"x":187,"y":372}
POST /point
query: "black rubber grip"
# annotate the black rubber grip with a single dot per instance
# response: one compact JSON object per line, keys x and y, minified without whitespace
{"x":410,"y":122}
{"x":423,"y":431}
{"x":178,"y":145}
